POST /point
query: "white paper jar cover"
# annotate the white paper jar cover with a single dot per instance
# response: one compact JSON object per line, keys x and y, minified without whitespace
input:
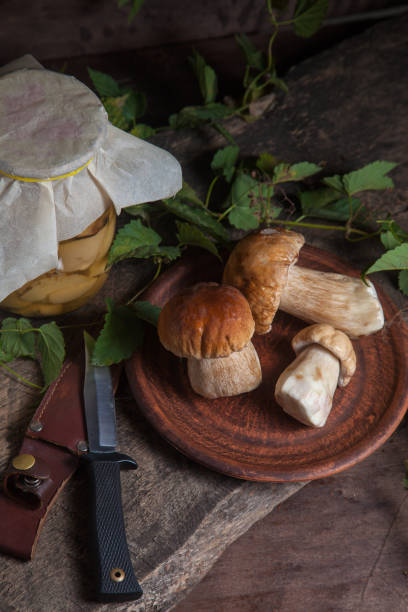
{"x":51,"y":126}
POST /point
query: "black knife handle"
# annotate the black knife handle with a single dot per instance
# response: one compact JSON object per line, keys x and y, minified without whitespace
{"x":116,"y":580}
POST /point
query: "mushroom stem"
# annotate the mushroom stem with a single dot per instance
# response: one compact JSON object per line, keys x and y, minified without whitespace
{"x":345,"y":302}
{"x":306,"y":388}
{"x":225,"y":376}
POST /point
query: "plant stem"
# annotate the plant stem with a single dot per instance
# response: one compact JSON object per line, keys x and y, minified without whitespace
{"x":17,"y":375}
{"x":341,"y":228}
{"x":362,"y":237}
{"x":209,"y":192}
{"x":229,"y":137}
{"x":151,"y":281}
{"x":254,"y":81}
{"x":226,"y":212}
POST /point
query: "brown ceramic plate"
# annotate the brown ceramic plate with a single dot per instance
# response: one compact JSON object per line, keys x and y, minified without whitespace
{"x":249,"y":436}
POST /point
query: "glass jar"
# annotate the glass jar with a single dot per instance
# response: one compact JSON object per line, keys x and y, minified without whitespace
{"x":82,"y":273}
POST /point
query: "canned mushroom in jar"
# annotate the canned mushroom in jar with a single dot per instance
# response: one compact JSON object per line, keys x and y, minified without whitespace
{"x":83,"y":262}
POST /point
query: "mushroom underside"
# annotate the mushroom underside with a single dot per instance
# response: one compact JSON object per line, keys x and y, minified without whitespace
{"x":238,"y":373}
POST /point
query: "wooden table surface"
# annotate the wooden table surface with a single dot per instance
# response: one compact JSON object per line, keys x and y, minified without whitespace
{"x":339,"y":543}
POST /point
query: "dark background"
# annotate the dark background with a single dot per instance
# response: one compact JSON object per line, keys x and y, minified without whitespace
{"x":150,"y":52}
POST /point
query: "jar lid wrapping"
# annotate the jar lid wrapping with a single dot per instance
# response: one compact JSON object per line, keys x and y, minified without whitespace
{"x":35,"y":216}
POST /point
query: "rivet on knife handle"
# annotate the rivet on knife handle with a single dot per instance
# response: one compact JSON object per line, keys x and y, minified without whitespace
{"x":115,"y":578}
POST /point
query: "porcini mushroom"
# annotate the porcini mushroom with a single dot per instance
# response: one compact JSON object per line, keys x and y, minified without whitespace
{"x":262,"y":266}
{"x":212,"y":326}
{"x":325,"y":359}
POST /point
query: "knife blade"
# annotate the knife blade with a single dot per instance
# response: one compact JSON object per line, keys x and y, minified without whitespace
{"x":115,"y":578}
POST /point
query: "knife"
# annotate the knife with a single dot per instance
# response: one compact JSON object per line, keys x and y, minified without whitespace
{"x":115,"y":577}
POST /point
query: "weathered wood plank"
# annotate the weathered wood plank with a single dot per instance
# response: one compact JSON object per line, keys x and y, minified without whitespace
{"x":338,"y":545}
{"x":57,"y":29}
{"x":66,"y":29}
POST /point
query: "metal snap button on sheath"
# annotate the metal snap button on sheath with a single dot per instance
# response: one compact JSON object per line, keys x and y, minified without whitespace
{"x":23,"y":462}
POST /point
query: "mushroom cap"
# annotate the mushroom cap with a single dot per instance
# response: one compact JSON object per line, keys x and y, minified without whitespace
{"x":207,"y":320}
{"x":332,"y":340}
{"x":258,"y":266}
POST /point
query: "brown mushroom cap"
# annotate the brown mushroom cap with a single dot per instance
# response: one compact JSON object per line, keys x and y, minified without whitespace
{"x":258,"y":266}
{"x":206,"y":321}
{"x":332,"y":340}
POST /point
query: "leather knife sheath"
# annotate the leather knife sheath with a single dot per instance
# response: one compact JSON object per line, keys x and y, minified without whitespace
{"x":49,"y":455}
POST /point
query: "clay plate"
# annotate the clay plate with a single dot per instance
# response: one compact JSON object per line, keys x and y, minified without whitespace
{"x":249,"y":436}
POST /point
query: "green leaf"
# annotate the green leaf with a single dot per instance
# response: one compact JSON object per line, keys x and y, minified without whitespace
{"x":168,"y":253}
{"x":207,"y":79}
{"x":140,"y":210}
{"x":225,"y":160}
{"x":105,"y":85}
{"x":135,"y":105}
{"x":17,"y":341}
{"x":403,"y":281}
{"x":389,"y":240}
{"x":146,"y":311}
{"x":372,"y":176}
{"x":52,"y":351}
{"x":121,"y":335}
{"x":242,"y":188}
{"x":396,"y":259}
{"x":5,"y":357}
{"x":261,"y":202}
{"x":242,"y":216}
{"x":141,"y":130}
{"x":114,"y":108}
{"x":279,"y":83}
{"x":266,"y":163}
{"x":302,"y":170}
{"x":339,"y":210}
{"x":136,"y":6}
{"x":191,"y":235}
{"x":392,"y":234}
{"x":317,"y":198}
{"x":335,"y":182}
{"x":198,"y":216}
{"x":285,"y":173}
{"x":188,"y":194}
{"x":131,"y":237}
{"x":309,"y":15}
{"x":194,"y":116}
{"x":254,"y":57}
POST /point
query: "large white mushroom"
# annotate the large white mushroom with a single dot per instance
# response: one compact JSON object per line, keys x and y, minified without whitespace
{"x":262,"y":266}
{"x":325,"y":359}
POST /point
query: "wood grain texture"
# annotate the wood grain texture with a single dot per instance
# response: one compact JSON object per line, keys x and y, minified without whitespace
{"x":56,"y":29}
{"x":339,"y":545}
{"x":180,"y":516}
